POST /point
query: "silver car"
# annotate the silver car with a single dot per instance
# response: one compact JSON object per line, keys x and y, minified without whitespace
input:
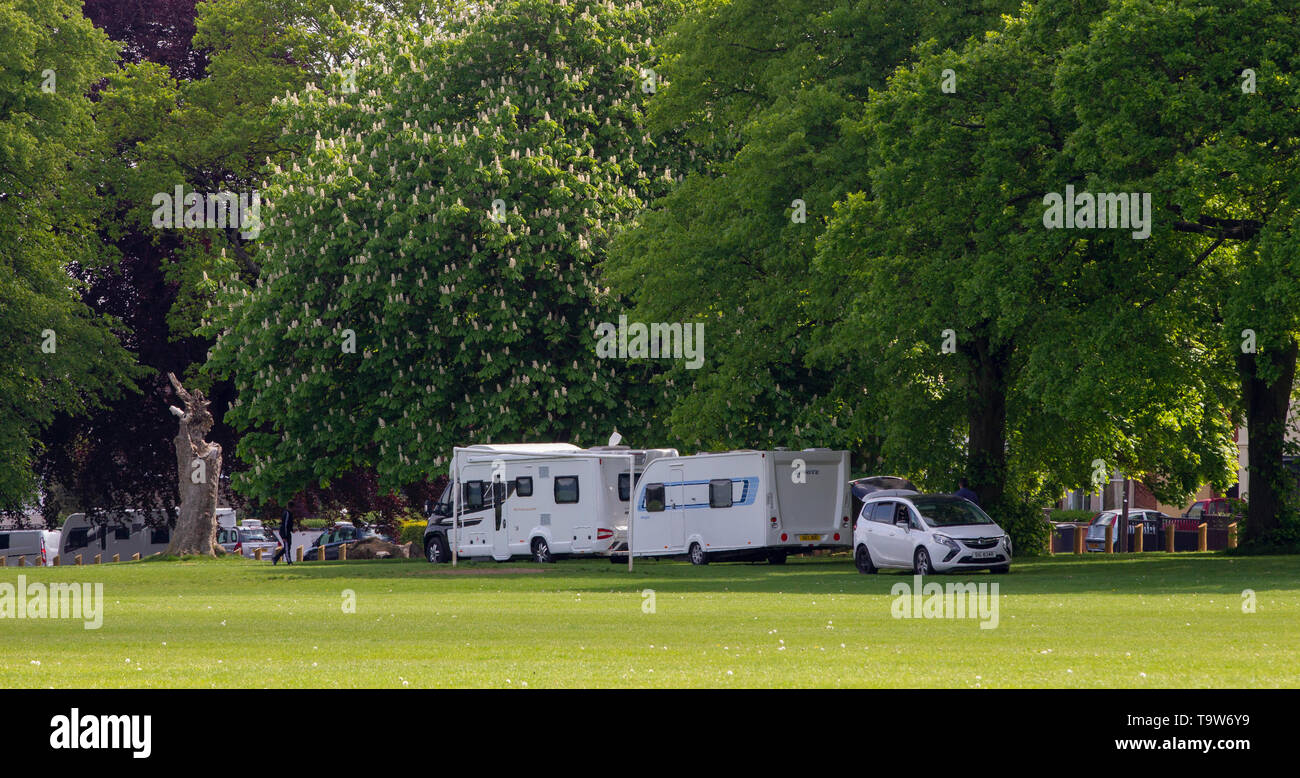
{"x":247,"y":540}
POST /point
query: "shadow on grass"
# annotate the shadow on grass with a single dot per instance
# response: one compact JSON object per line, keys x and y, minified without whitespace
{"x":1150,"y":574}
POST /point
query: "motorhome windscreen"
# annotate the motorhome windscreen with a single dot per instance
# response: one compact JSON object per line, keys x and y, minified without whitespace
{"x":950,"y":511}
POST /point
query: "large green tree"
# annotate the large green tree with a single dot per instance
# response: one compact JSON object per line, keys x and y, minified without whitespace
{"x":55,"y":355}
{"x":1195,"y":102}
{"x":756,"y":103}
{"x":427,"y":265}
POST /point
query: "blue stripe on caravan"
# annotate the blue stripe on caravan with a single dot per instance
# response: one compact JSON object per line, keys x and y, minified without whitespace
{"x":747,"y":495}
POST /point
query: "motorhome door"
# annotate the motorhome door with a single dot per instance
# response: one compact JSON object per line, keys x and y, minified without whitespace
{"x":500,"y":522}
{"x":676,"y":499}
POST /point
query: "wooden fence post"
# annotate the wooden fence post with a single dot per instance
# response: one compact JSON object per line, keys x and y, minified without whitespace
{"x":257,"y":554}
{"x":1169,"y":538}
{"x":1232,"y":535}
{"x":1051,"y":539}
{"x":1110,"y":538}
{"x":1078,"y":539}
{"x":1201,"y":537}
{"x":343,"y":552}
{"x":1137,"y":537}
{"x":99,"y":559}
{"x":298,"y":554}
{"x":4,"y":561}
{"x":117,"y":557}
{"x":77,"y":559}
{"x":22,"y":561}
{"x":56,"y":560}
{"x":135,"y":557}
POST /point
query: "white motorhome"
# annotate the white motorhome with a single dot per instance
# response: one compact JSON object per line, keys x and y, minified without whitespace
{"x":35,"y":547}
{"x":123,"y":533}
{"x":543,"y":500}
{"x":743,"y":505}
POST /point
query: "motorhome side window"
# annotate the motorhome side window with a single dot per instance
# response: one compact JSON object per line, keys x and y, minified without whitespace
{"x":524,"y":486}
{"x":78,"y":538}
{"x":720,"y":493}
{"x":566,"y":489}
{"x":654,"y":497}
{"x":473,"y":495}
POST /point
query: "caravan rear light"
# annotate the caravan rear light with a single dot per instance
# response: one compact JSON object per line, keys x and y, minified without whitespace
{"x":604,"y":534}
{"x":784,"y":537}
{"x":844,"y":522}
{"x":773,"y":521}
{"x":837,"y":536}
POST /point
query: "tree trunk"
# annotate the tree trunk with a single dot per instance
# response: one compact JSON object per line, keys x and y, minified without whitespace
{"x":986,"y":452}
{"x":198,"y":464}
{"x":1266,"y":415}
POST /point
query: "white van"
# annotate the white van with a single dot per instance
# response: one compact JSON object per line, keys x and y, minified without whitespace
{"x":35,"y":547}
{"x":123,"y":533}
{"x":743,"y":505}
{"x":542,"y":500}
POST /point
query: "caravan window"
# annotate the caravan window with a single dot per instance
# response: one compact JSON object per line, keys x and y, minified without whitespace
{"x":566,"y":489}
{"x":524,"y":486}
{"x":78,"y":538}
{"x":121,"y":533}
{"x":473,"y":495}
{"x":654,"y":497}
{"x":162,"y":535}
{"x":4,"y":541}
{"x":624,"y":487}
{"x":720,"y":493}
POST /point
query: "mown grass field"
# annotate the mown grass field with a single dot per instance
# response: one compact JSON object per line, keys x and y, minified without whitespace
{"x":1154,"y":621}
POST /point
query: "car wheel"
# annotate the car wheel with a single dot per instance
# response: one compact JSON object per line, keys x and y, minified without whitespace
{"x":921,"y":563}
{"x":776,"y":558}
{"x":435,"y":549}
{"x":1000,"y":569}
{"x":542,"y":552}
{"x":698,"y":557}
{"x":862,"y":559}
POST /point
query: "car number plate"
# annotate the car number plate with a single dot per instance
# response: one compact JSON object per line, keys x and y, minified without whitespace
{"x":810,"y":537}
{"x":984,"y":554}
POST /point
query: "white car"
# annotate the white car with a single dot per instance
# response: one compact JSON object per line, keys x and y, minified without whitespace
{"x":927,"y":533}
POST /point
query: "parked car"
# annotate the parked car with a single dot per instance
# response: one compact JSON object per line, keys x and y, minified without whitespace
{"x":338,"y":535}
{"x":1153,"y":524}
{"x":247,"y":539}
{"x":927,"y":533}
{"x":36,"y":546}
{"x":1215,"y":506}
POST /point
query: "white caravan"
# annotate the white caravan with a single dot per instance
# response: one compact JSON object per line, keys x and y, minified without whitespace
{"x":743,"y":505}
{"x":123,"y":533}
{"x":543,"y":500}
{"x":35,"y":547}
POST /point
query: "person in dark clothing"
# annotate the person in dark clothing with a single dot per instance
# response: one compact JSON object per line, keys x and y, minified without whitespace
{"x":286,"y":535}
{"x":964,"y":490}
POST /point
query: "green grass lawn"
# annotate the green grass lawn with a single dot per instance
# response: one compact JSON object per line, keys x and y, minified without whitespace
{"x":1154,"y":621}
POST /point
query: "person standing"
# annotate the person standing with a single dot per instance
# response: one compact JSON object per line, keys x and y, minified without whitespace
{"x":286,"y":536}
{"x":964,"y":490}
